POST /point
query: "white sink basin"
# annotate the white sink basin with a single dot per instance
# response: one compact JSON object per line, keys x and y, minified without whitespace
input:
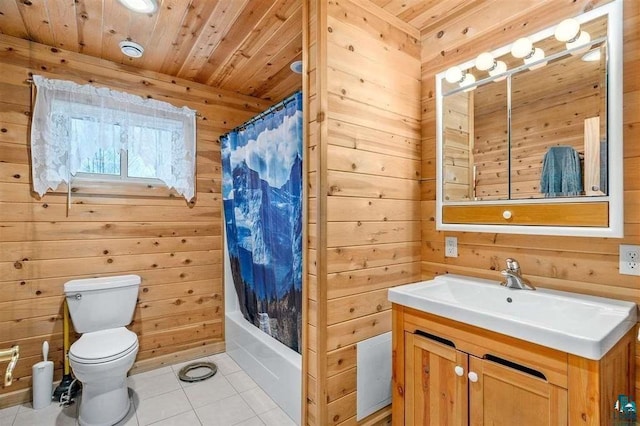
{"x":587,"y":326}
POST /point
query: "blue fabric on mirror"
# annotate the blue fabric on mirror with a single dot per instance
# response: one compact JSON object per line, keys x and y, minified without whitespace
{"x":561,"y":173}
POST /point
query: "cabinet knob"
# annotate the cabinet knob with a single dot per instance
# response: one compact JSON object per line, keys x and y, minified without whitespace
{"x":506,"y":214}
{"x":473,"y":377}
{"x":459,"y":371}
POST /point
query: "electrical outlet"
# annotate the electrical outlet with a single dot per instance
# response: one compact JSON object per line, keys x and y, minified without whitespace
{"x":629,"y":259}
{"x":450,"y":247}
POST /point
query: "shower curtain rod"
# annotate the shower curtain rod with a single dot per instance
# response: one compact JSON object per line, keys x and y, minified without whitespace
{"x":263,"y":114}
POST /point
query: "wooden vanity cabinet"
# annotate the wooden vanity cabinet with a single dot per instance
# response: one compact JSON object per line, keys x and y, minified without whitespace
{"x":504,"y":396}
{"x":450,"y":373}
{"x":435,"y":394}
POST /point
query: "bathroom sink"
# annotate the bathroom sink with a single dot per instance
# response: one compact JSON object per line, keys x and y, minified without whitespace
{"x":582,"y":325}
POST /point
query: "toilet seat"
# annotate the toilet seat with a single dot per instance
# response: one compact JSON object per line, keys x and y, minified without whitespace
{"x":103,"y":346}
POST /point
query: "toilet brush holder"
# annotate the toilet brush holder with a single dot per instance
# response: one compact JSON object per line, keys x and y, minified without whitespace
{"x":42,"y":376}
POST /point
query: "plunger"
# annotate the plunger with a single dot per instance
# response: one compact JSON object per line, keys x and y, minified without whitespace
{"x":67,"y":380}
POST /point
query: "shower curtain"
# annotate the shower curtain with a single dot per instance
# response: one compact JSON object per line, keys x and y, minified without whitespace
{"x":261,"y":192}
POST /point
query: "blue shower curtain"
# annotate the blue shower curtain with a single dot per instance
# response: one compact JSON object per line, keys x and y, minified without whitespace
{"x":261,"y":192}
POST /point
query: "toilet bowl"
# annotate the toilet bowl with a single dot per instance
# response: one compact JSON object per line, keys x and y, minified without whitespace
{"x":100,"y":308}
{"x":101,"y":360}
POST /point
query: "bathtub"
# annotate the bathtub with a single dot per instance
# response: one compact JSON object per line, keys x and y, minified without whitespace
{"x":276,"y":368}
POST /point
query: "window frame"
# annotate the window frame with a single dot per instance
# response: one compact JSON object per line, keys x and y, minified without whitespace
{"x":123,"y":177}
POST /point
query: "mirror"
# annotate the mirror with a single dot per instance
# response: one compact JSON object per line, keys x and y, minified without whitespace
{"x":539,"y":130}
{"x":475,"y":135}
{"x":502,"y":146}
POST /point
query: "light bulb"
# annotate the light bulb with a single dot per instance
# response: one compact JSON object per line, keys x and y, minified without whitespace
{"x":498,"y":68}
{"x":538,"y":54}
{"x":567,"y":30}
{"x":454,"y":75}
{"x":468,"y":80}
{"x":522,"y":47}
{"x":485,"y":61}
{"x":592,"y":56}
{"x":583,"y":38}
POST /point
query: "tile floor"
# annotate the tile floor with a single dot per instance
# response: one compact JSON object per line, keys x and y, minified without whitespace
{"x":229,"y":398}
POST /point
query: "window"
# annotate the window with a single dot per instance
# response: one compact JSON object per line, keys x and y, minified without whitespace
{"x":104,"y":135}
{"x":147,"y":155}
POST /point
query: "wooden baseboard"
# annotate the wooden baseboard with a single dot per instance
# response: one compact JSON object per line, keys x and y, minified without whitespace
{"x":18,"y":397}
{"x":24,"y":395}
{"x":379,"y":418}
{"x":174,"y":358}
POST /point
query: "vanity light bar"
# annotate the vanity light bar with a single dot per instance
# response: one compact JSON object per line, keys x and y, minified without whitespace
{"x":535,"y":64}
{"x":567,"y":31}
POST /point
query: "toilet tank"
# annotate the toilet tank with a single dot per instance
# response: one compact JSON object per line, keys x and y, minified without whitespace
{"x":101,"y":303}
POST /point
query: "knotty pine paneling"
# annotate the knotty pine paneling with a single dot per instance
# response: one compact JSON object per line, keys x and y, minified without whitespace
{"x":582,"y":265}
{"x":367,"y":168}
{"x":175,"y":246}
{"x":244,"y":46}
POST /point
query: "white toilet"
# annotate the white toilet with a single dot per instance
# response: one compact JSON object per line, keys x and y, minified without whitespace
{"x":100,"y":308}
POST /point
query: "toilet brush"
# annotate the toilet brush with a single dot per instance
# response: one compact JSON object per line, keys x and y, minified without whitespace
{"x":66,"y":382}
{"x":42,"y":377}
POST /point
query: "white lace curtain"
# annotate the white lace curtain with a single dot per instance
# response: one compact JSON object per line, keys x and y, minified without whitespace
{"x":72,"y":122}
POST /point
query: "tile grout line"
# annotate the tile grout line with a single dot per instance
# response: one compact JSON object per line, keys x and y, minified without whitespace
{"x":187,"y":396}
{"x":189,"y":400}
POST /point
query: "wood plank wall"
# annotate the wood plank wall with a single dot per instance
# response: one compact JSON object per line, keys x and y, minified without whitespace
{"x":364,"y":156}
{"x":583,"y":265}
{"x":174,"y":246}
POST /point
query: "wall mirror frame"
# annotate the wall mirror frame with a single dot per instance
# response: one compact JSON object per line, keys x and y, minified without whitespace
{"x":596,"y":216}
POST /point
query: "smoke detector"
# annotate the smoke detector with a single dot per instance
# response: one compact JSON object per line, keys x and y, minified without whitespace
{"x":131,"y":49}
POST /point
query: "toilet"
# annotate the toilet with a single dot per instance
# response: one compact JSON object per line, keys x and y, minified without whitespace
{"x":100,"y":308}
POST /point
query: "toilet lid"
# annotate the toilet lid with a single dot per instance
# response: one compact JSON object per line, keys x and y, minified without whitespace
{"x":103,"y":346}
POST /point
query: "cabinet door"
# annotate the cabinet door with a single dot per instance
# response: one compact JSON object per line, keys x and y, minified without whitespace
{"x":503,"y":396}
{"x":435,"y":383}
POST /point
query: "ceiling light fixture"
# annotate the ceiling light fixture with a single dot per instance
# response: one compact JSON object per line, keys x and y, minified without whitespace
{"x":131,"y":48}
{"x":140,"y":6}
{"x":296,"y":67}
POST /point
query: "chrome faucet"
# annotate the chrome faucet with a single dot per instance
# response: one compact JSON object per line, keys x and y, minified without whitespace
{"x":513,"y":277}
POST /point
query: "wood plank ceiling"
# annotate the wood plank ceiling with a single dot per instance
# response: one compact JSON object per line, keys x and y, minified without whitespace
{"x":245,"y":46}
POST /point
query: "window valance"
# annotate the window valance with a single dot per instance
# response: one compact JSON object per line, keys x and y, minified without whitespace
{"x":72,"y":123}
